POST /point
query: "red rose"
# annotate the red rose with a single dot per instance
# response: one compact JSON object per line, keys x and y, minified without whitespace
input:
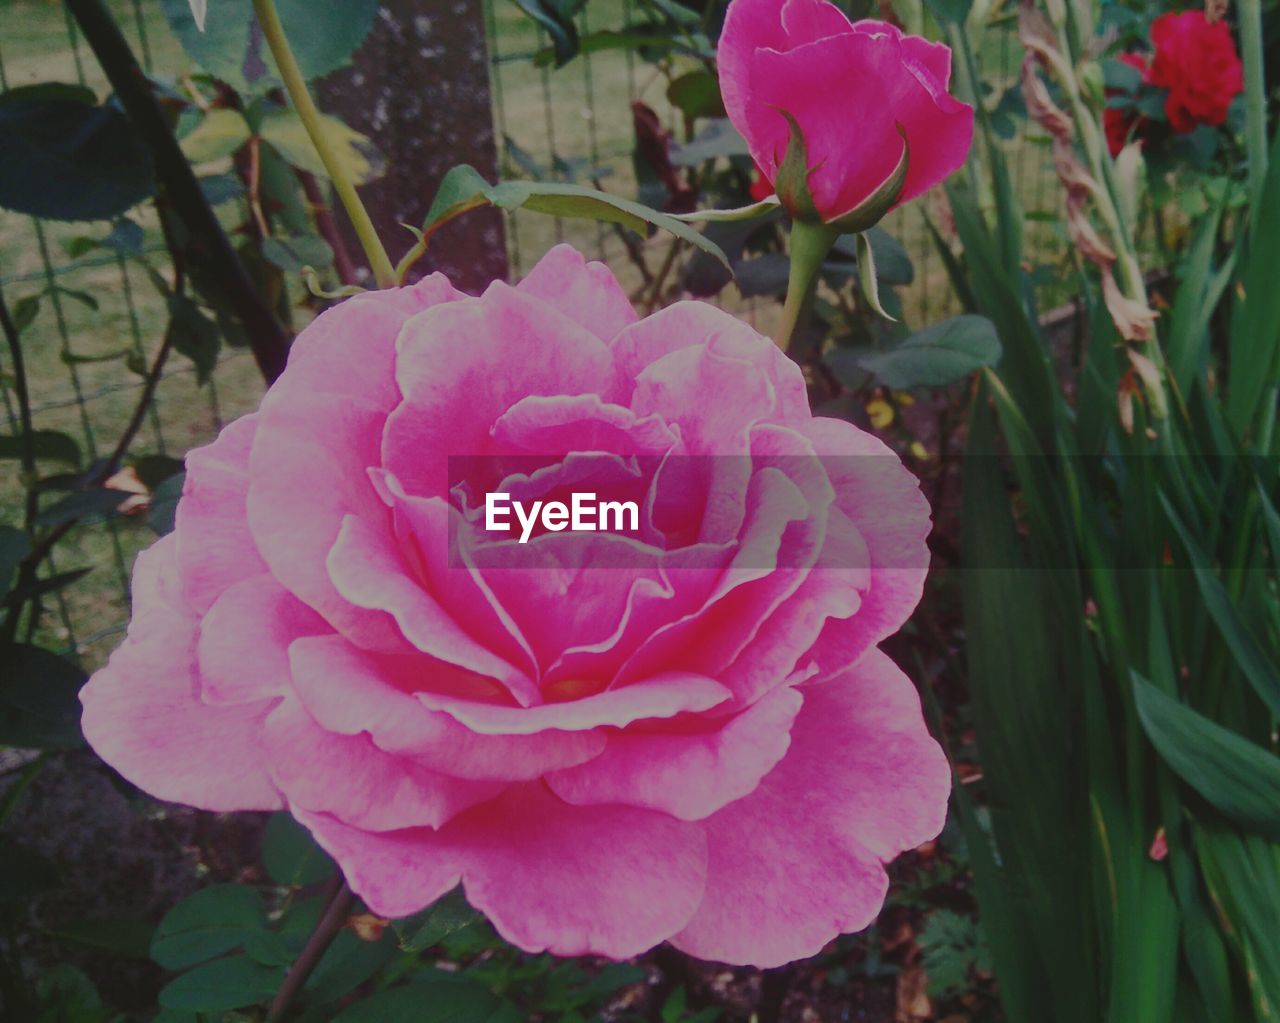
{"x":1118,"y":124}
{"x":761,"y":187}
{"x":1196,"y":61}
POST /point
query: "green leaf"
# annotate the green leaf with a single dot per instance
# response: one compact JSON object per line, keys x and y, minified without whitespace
{"x":292,"y":254}
{"x":194,"y":335}
{"x":463,"y":189}
{"x":752,"y":212}
{"x":25,"y":311}
{"x":49,"y":445}
{"x":291,"y":855}
{"x":214,"y":920}
{"x":867,"y":276}
{"x":951,"y":947}
{"x":346,"y":964}
{"x":220,"y":133}
{"x":432,"y":925}
{"x":164,"y":504}
{"x":269,"y":948}
{"x":696,"y":94}
{"x":938,"y":355}
{"x":68,"y":996}
{"x":39,"y":701}
{"x":14,"y":546}
{"x":1248,"y":653}
{"x":718,"y":139}
{"x":1239,"y":779}
{"x":893,"y":265}
{"x":153,"y":470}
{"x":357,"y":154}
{"x":66,"y":158}
{"x":322,"y":36}
{"x":556,"y":18}
{"x":222,"y":985}
{"x":432,"y":997}
{"x":955,"y":11}
{"x":82,"y":504}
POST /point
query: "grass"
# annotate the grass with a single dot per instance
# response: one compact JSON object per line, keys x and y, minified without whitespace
{"x":581,"y":111}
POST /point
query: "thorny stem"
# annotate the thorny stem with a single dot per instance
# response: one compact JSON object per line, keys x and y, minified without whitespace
{"x":296,"y":86}
{"x":335,"y":915}
{"x":207,"y":242}
{"x":328,"y":228}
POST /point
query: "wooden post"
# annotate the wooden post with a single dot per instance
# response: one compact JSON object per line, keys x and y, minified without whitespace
{"x":419,"y":87}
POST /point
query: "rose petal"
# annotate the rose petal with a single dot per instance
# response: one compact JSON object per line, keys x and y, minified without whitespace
{"x":243,"y":649}
{"x":662,"y":696}
{"x":515,"y":346}
{"x":883,"y":500}
{"x":143,"y":714}
{"x":691,"y":774}
{"x":611,"y":881}
{"x":587,"y":293}
{"x":214,"y":546}
{"x":349,"y":691}
{"x":320,"y":429}
{"x":798,"y":861}
{"x":351,"y":778}
{"x":368,"y":569}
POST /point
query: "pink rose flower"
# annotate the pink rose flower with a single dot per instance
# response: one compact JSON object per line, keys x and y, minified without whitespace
{"x":856,"y":91}
{"x":610,"y":740}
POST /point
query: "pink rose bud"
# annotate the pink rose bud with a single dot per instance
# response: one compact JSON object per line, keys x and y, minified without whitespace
{"x":685,"y":732}
{"x":872,"y":117}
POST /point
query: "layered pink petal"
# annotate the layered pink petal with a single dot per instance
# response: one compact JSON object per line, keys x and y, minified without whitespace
{"x":587,"y":293}
{"x":689,"y":773}
{"x":870,"y":74}
{"x":805,"y":58}
{"x":714,"y":391}
{"x":214,"y":546}
{"x":799,"y":861}
{"x":807,"y":20}
{"x":582,"y":422}
{"x":611,"y":881}
{"x":883,"y":501}
{"x":512,"y":346}
{"x":349,"y":691}
{"x":320,"y":430}
{"x":144,"y":716}
{"x":749,"y":26}
{"x":368,"y":568}
{"x":243,"y":646}
{"x":662,"y":696}
{"x":360,"y":784}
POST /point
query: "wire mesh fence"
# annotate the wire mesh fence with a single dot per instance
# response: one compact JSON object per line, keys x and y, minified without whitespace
{"x":100,"y":315}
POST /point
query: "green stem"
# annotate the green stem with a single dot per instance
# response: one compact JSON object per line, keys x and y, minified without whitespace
{"x":1255,"y":97}
{"x":810,"y":244}
{"x":296,"y":86}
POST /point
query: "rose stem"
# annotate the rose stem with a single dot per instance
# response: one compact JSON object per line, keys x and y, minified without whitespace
{"x":296,"y":86}
{"x":335,"y":915}
{"x":810,"y":244}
